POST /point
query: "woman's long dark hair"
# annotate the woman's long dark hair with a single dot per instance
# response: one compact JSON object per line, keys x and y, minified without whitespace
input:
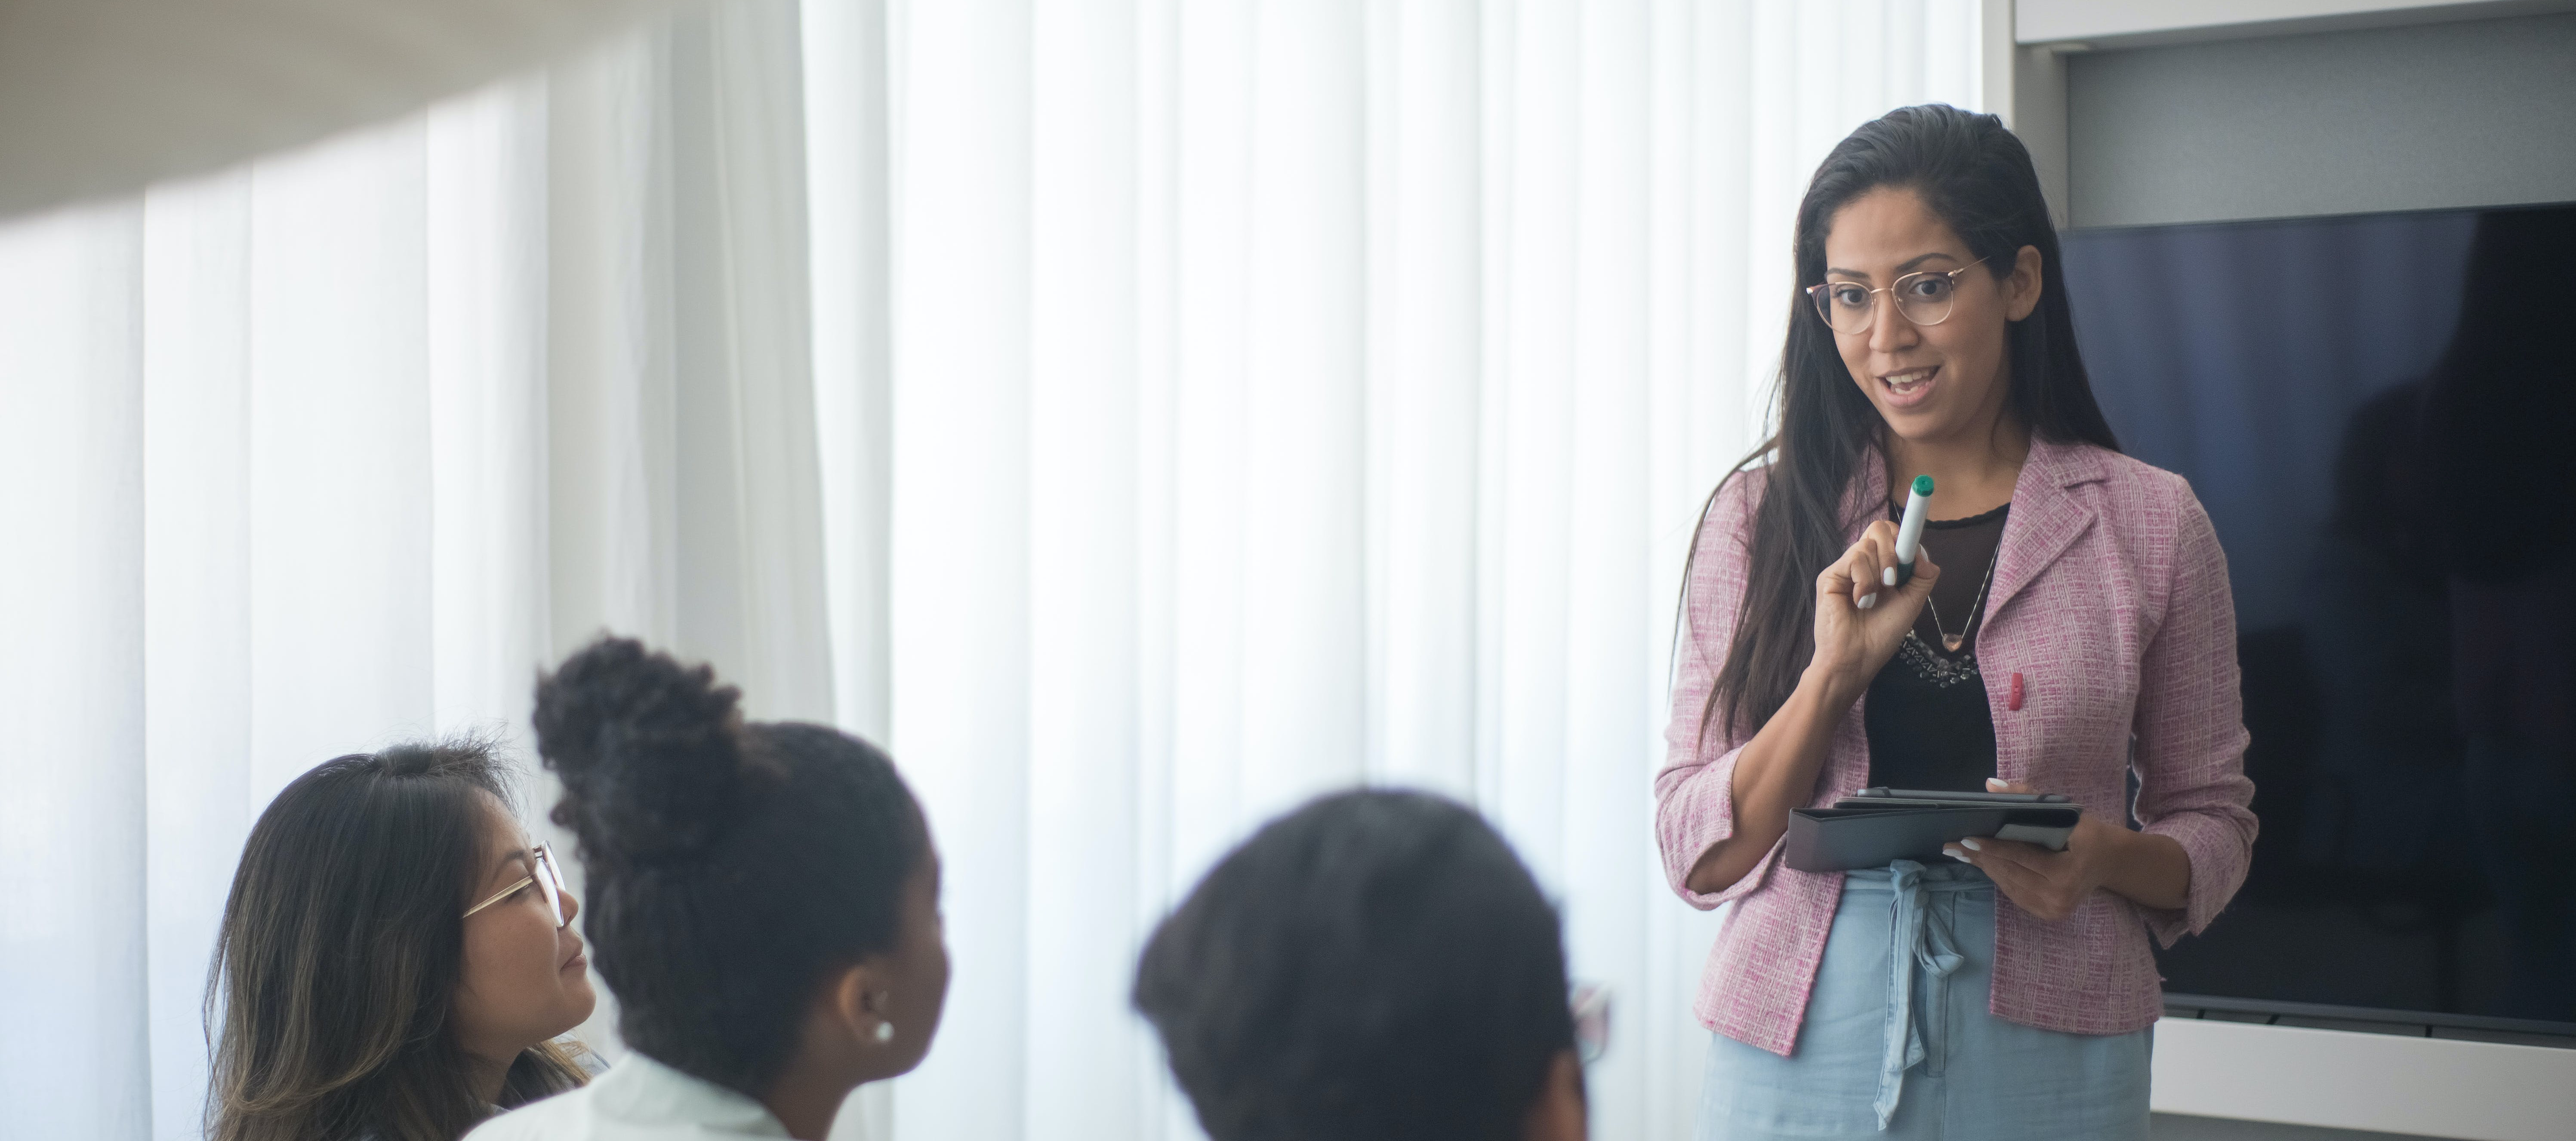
{"x":1978,"y":178}
{"x":342,"y":947}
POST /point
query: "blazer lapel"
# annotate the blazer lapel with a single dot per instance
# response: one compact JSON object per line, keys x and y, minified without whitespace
{"x":2046,"y":518}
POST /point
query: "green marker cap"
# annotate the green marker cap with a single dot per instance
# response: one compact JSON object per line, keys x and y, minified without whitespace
{"x":1923,"y":486}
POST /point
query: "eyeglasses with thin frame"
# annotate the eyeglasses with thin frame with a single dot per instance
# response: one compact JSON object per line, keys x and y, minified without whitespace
{"x":1590,"y":1004}
{"x":1924,"y":297}
{"x":541,"y":872}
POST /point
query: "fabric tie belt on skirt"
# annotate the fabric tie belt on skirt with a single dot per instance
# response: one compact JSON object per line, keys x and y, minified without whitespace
{"x":1919,"y":937}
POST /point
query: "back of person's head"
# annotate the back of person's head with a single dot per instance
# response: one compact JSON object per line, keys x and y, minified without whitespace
{"x":1375,"y":965}
{"x":342,"y":951}
{"x":738,"y":871}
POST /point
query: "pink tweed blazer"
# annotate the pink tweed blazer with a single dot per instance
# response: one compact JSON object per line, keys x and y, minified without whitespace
{"x":2110,"y":606}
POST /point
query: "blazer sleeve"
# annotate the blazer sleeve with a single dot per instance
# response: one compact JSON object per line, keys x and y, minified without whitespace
{"x":2191,"y":728}
{"x":1695,"y":790}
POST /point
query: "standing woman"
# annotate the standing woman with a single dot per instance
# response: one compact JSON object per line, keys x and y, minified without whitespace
{"x":2069,"y":624}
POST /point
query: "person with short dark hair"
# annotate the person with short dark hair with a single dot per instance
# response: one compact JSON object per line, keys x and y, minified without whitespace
{"x":1374,"y":966}
{"x":764,"y":902}
{"x":396,"y":959}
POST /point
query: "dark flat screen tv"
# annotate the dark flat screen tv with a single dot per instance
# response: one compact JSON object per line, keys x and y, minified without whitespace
{"x":2379,"y":412}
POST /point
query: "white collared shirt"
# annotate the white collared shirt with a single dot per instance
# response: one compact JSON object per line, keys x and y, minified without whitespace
{"x":639,"y":1099}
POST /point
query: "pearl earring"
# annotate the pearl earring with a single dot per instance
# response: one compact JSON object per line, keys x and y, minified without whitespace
{"x":885,"y":1032}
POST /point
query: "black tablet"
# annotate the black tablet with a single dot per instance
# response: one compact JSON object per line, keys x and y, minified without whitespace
{"x":1873,"y":831}
{"x":1959,"y":799}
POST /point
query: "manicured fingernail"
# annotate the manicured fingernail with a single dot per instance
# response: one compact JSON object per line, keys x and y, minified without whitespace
{"x":1868,"y":600}
{"x":1956,"y":856}
{"x":1887,"y":577}
{"x":1972,"y":845}
{"x":1996,"y":782}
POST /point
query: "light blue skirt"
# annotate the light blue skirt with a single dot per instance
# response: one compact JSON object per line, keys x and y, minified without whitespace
{"x":1898,"y":1043}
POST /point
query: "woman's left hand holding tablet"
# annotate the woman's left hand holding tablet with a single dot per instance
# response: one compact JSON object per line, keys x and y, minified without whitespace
{"x":2050,"y":885}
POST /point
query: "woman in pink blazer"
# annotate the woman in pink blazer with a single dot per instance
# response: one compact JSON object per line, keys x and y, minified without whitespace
{"x":2068,"y":626}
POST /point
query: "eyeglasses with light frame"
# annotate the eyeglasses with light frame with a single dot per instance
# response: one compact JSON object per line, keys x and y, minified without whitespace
{"x":1589,"y":1003}
{"x":1849,"y":308}
{"x":541,"y":872}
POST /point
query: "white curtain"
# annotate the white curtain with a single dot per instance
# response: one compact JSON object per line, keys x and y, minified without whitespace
{"x":1279,"y":394}
{"x":337,"y":449}
{"x":1140,"y":414}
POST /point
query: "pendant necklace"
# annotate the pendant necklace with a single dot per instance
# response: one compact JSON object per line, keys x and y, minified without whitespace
{"x":1950,"y":641}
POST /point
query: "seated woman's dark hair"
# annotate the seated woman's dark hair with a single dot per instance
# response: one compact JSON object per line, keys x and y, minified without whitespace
{"x":342,"y":946}
{"x":729,"y":865}
{"x":1375,"y":965}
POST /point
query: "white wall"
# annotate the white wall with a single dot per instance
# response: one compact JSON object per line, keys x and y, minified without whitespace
{"x":2141,"y":23}
{"x":2383,"y":1082}
{"x":2459,"y":114}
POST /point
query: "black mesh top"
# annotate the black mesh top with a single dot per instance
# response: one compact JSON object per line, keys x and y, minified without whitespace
{"x":1929,"y":725}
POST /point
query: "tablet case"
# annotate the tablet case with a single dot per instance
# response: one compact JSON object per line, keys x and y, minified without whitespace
{"x":1863,"y":833}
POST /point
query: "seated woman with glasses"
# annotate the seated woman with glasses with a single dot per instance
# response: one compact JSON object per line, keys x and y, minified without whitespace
{"x":764,"y":902}
{"x":1374,"y":966}
{"x":395,"y":959}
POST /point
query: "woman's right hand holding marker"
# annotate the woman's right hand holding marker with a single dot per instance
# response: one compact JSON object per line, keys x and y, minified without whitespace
{"x":1861,"y":615}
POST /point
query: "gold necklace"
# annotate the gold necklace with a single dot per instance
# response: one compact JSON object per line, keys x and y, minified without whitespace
{"x":1951,"y":641}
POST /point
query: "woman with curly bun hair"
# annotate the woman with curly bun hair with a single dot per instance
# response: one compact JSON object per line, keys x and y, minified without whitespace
{"x":764,"y":902}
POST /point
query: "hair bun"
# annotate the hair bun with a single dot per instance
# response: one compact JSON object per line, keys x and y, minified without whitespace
{"x":649,"y":750}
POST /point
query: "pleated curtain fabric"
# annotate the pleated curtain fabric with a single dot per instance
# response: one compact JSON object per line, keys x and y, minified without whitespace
{"x":1288,"y":394}
{"x":338,"y":449}
{"x":1139,"y":414}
